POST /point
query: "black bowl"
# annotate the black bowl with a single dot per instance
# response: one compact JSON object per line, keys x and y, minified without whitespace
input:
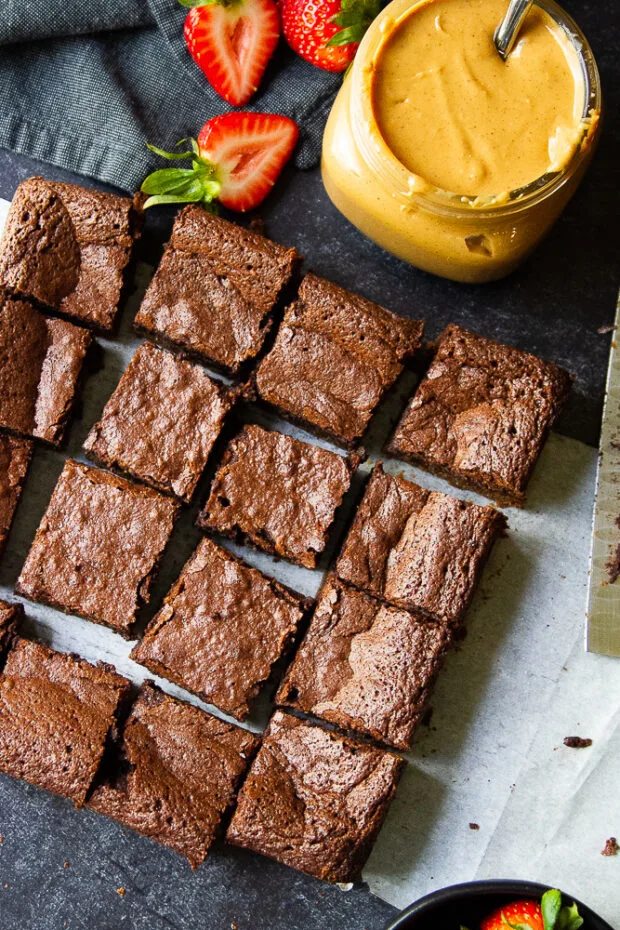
{"x":468,"y":904}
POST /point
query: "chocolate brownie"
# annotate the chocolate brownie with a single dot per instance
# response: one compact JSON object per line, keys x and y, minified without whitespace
{"x":11,"y":616}
{"x":56,"y":713}
{"x":15,"y":455}
{"x":41,"y":360}
{"x":161,"y":422}
{"x":335,"y":357}
{"x":418,"y":549}
{"x":221,"y":629}
{"x":365,"y":666}
{"x":176,"y":773}
{"x":68,"y":247}
{"x":215,"y":289}
{"x":481,"y":415}
{"x":278,"y":493}
{"x":97,"y":549}
{"x":314,"y":800}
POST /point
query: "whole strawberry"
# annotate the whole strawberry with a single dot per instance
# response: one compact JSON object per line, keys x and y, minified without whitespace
{"x":236,"y":161}
{"x":327,"y":33}
{"x":549,"y":914}
{"x":232,"y":41}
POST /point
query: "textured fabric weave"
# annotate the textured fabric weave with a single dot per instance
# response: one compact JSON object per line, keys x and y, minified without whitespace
{"x":85,"y":85}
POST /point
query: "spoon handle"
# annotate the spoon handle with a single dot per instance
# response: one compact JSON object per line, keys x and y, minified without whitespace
{"x":507,"y":31}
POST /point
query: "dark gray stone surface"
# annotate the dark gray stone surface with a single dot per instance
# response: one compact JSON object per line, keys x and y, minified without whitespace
{"x":554,"y":306}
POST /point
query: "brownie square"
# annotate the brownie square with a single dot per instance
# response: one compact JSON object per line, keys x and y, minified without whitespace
{"x":221,"y":629}
{"x":161,"y":422}
{"x":68,"y":247}
{"x":41,"y":360}
{"x":314,"y":800}
{"x":366,"y":667}
{"x":278,"y":493}
{"x":418,"y":549}
{"x":176,"y":773}
{"x":97,"y":549}
{"x":11,"y":616}
{"x":56,"y":712}
{"x":215,"y":289}
{"x":15,"y":455}
{"x":481,"y":415}
{"x":335,"y":357}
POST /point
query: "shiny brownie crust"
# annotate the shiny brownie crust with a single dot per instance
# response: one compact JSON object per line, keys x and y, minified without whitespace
{"x":221,"y":629}
{"x":418,"y":549}
{"x":41,"y":364}
{"x":335,"y":357}
{"x":56,"y":713}
{"x":365,"y":666}
{"x":175,"y":774}
{"x":215,"y":290}
{"x":15,"y":456}
{"x":278,"y":493}
{"x":161,"y":422}
{"x":98,"y":546}
{"x":481,"y":415}
{"x":68,"y":248}
{"x":314,"y":800}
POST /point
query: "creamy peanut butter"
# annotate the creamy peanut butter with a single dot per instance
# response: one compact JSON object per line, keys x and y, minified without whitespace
{"x":463,"y":119}
{"x":449,"y":157}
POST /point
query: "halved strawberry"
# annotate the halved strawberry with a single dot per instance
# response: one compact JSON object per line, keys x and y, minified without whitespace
{"x":236,"y":160}
{"x":232,"y":41}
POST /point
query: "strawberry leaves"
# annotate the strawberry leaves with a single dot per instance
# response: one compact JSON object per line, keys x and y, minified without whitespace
{"x":551,"y":905}
{"x":354,"y":18}
{"x":556,"y":917}
{"x":198,"y":184}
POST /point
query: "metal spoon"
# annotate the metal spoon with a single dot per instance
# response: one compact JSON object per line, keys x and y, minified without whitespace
{"x":508,"y":30}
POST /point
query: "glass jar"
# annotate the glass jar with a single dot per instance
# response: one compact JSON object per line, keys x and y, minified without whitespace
{"x":464,"y":238}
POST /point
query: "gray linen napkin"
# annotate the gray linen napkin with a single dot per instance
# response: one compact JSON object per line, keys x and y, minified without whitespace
{"x":85,"y":85}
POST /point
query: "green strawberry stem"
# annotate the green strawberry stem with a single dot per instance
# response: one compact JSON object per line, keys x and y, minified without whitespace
{"x":198,"y":184}
{"x":355,"y":17}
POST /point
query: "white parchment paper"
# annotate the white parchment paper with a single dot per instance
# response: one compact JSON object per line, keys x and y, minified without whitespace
{"x":517,"y":685}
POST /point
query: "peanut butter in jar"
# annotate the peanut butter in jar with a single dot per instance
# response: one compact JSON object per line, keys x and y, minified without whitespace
{"x":450,"y":157}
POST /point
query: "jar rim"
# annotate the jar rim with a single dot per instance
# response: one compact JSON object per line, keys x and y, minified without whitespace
{"x":407,"y":185}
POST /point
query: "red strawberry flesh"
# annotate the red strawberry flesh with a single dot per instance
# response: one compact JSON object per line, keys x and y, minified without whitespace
{"x":232,"y":44}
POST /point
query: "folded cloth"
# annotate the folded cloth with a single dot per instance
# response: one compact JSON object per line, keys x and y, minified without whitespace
{"x":86,"y":85}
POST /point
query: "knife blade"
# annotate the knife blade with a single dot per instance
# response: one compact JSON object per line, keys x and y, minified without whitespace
{"x":603,"y":605}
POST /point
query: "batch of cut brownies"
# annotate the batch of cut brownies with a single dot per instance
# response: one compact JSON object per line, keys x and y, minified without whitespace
{"x":362,"y":659}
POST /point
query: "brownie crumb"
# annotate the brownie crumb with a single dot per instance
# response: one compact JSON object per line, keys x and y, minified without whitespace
{"x":474,"y":826}
{"x":577,"y":742}
{"x":613,"y":566}
{"x":611,"y":847}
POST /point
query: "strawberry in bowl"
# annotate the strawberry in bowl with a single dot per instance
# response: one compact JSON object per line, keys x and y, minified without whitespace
{"x":236,"y":160}
{"x":547,"y":914}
